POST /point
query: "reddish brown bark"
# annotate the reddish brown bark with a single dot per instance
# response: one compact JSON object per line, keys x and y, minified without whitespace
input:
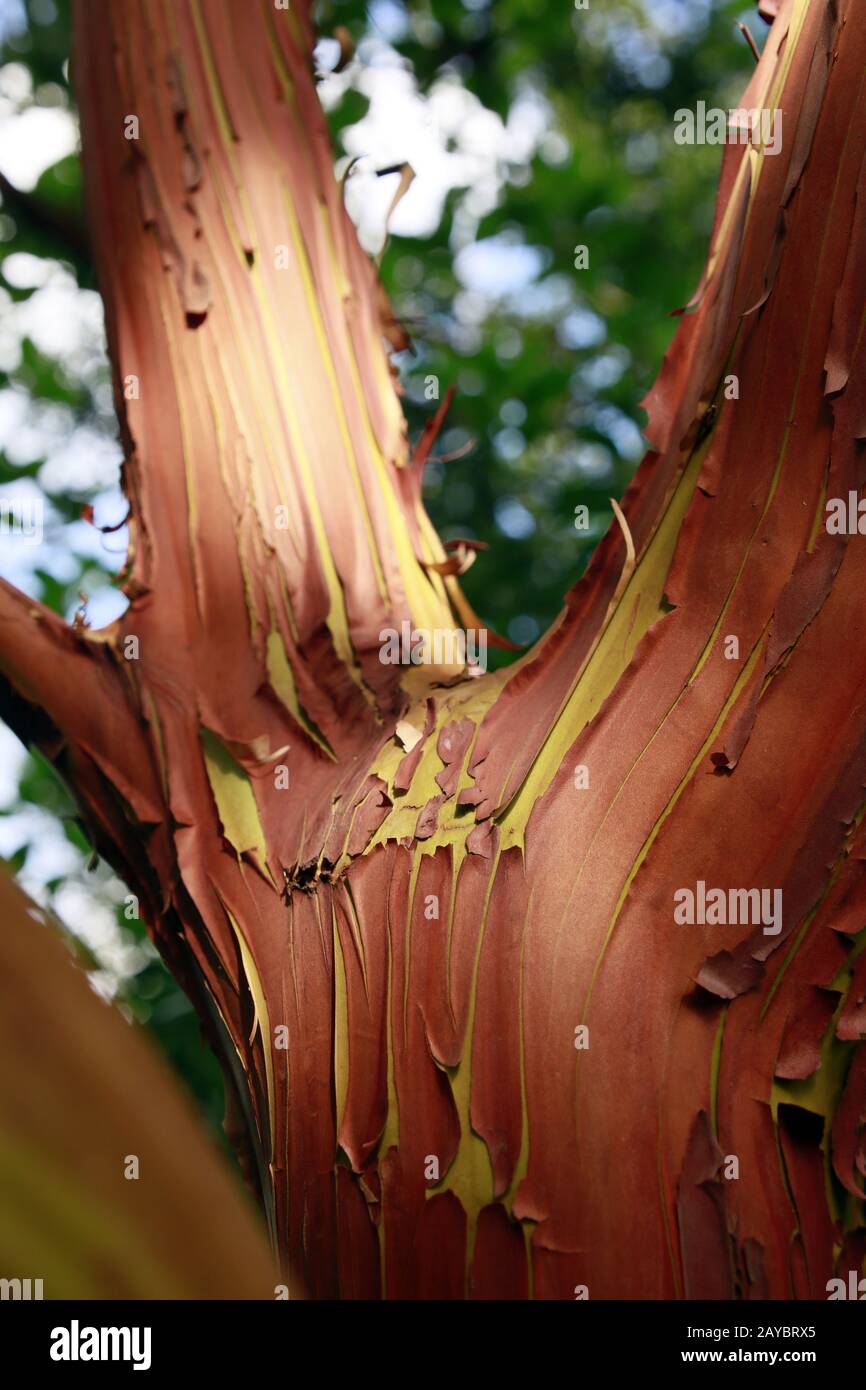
{"x":415,"y":1037}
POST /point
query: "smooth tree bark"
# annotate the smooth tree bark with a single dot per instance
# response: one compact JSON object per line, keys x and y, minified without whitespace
{"x":108,"y":1186}
{"x":433,"y":922}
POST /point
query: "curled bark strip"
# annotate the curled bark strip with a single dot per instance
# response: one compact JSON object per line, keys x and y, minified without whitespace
{"x":519,"y":1055}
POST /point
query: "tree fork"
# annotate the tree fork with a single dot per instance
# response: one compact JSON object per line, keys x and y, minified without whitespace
{"x":481,"y":1055}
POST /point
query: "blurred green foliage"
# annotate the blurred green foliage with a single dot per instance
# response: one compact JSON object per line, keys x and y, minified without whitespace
{"x":549,"y":386}
{"x":548,"y":375}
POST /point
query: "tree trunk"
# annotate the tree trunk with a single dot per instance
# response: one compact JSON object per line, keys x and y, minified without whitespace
{"x":479,"y":1048}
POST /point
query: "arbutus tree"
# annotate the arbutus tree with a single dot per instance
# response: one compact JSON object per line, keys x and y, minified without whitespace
{"x":105,"y":1174}
{"x":428,"y":917}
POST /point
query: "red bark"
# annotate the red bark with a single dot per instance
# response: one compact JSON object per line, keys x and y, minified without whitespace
{"x":455,"y":1035}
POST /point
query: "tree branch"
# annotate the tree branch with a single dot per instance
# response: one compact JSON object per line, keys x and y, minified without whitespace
{"x":68,"y":692}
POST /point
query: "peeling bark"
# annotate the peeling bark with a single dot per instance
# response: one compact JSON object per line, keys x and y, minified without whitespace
{"x":509,"y":1070}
